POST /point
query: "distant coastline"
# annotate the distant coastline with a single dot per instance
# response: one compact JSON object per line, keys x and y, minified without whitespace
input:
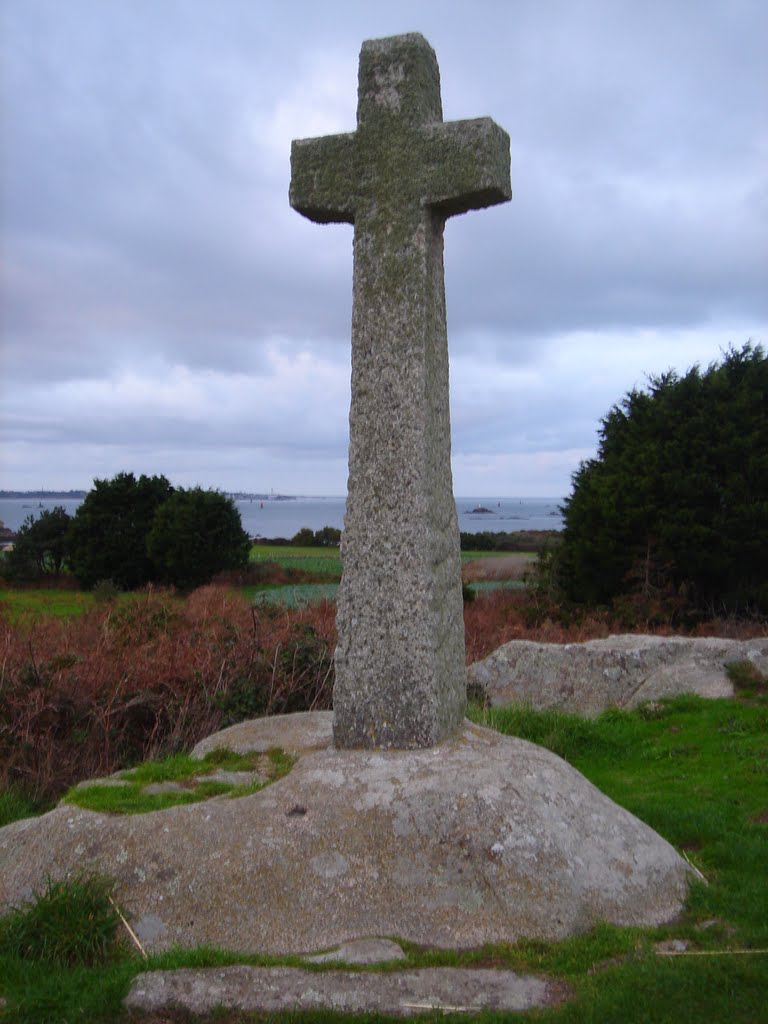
{"x":79,"y":495}
{"x":278,"y":515}
{"x":40,"y":495}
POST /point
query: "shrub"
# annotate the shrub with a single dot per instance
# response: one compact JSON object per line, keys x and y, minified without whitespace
{"x":149,"y":677}
{"x":108,"y":535}
{"x":39,"y":548}
{"x":327,"y":537}
{"x":673,"y":511}
{"x":196,"y":534}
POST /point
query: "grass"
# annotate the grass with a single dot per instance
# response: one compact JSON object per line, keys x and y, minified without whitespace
{"x":16,"y":804}
{"x":320,"y":561}
{"x":68,"y":924}
{"x":127,"y":793}
{"x":35,"y":604}
{"x":695,"y":770}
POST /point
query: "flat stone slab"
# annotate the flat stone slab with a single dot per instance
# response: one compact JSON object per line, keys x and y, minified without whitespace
{"x":619,"y":671}
{"x":404,"y":994}
{"x":362,"y":951}
{"x":233,"y":778}
{"x":483,"y":838}
{"x":156,"y":788}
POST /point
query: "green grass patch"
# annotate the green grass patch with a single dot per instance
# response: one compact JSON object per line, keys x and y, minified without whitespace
{"x":16,"y":804}
{"x":322,"y":561}
{"x":18,"y":605}
{"x":127,"y":792}
{"x":68,"y":924}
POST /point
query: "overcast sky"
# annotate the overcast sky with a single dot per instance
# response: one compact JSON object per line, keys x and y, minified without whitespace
{"x":165,"y":311}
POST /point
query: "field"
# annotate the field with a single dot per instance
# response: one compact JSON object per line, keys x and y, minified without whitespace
{"x":319,"y":561}
{"x":18,"y":604}
{"x":316,"y":570}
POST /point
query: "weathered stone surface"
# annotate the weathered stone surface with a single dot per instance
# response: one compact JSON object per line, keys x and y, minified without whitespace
{"x":620,"y":671}
{"x":483,"y":838}
{"x":402,"y":993}
{"x":242,"y":778}
{"x":400,"y":676}
{"x":361,"y":951}
{"x":295,"y":734}
{"x":155,"y":788}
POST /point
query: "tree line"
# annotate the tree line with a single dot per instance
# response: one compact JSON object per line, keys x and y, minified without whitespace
{"x":672,"y":512}
{"x":132,"y":532}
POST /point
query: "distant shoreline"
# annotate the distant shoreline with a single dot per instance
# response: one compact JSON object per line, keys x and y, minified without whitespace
{"x":79,"y":495}
{"x":73,"y":495}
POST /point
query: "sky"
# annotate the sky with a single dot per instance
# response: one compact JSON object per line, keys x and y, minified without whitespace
{"x":164,"y":310}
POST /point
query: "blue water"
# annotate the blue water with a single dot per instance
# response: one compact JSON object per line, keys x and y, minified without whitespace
{"x":275,"y":518}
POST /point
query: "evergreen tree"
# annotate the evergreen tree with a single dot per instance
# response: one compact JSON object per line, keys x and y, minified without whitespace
{"x":677,"y":496}
{"x":108,"y":536}
{"x":39,"y":549}
{"x":195,"y":534}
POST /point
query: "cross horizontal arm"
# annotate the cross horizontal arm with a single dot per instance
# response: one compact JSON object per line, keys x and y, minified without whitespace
{"x":468,"y":165}
{"x":323,"y":181}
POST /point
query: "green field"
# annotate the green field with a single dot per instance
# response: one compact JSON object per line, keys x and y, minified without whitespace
{"x":292,"y":595}
{"x":695,"y":770}
{"x":17,"y":604}
{"x":324,"y":561}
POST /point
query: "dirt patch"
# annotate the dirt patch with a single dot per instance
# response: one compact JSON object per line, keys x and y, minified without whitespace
{"x":498,"y":567}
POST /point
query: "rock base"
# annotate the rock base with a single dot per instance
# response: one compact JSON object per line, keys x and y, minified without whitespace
{"x":619,"y":671}
{"x":483,"y":838}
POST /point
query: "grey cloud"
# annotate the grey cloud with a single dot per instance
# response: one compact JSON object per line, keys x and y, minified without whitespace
{"x":144,"y":218}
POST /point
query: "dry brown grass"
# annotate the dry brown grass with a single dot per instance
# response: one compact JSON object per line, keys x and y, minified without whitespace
{"x":117,"y":685}
{"x":152,"y":675}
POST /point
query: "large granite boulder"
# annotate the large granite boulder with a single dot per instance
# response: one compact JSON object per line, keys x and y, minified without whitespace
{"x":620,"y":671}
{"x":482,"y":838}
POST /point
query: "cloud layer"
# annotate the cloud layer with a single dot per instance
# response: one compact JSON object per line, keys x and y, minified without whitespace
{"x":164,"y":310}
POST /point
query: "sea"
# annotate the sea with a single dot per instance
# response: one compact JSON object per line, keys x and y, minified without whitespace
{"x":280,"y":516}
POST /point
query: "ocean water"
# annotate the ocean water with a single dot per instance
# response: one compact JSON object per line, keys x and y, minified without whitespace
{"x":285,"y":517}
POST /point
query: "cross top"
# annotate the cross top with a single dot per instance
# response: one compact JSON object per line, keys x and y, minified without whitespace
{"x":398,"y":76}
{"x":402,"y":153}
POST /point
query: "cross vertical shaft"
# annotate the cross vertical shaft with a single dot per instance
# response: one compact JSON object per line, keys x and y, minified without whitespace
{"x":400,"y":676}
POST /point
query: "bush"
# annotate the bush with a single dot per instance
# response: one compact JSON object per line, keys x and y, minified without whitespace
{"x":327,"y":537}
{"x":196,"y":534}
{"x":134,"y":532}
{"x":39,"y":548}
{"x":149,"y":677}
{"x":108,"y":535}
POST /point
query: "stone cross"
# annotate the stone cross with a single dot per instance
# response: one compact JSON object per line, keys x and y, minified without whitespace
{"x":400,"y":675}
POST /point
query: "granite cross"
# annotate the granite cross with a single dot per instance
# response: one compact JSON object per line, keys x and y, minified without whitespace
{"x":400,"y":676}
